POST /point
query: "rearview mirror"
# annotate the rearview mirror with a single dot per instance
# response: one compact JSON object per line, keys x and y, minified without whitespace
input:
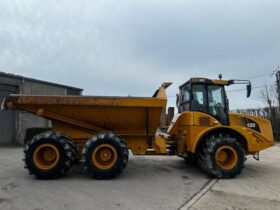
{"x":249,"y":89}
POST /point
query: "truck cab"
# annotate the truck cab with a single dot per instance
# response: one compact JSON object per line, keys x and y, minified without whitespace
{"x":207,"y":96}
{"x":205,"y":130}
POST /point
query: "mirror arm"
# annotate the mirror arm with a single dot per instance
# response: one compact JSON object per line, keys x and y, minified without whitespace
{"x":245,"y":82}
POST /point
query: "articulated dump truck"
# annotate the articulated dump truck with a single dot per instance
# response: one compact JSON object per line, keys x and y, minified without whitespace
{"x":98,"y":131}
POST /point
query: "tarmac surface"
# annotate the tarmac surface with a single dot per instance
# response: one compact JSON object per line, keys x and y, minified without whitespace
{"x":148,"y":182}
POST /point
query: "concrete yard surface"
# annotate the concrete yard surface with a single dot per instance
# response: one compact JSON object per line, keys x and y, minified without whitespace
{"x":148,"y":182}
{"x":258,"y":187}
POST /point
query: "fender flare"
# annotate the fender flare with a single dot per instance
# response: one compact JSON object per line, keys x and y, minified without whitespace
{"x":221,"y":129}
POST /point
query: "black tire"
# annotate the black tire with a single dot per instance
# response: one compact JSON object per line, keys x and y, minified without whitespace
{"x":103,"y":139}
{"x":206,"y":156}
{"x":65,"y":147}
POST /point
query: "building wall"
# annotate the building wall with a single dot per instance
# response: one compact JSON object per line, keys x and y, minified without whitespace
{"x":35,"y":88}
{"x":27,"y":120}
{"x":10,"y":81}
{"x":24,"y":120}
{"x":8,"y":117}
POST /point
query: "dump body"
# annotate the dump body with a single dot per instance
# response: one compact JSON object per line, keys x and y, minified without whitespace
{"x":136,"y":119}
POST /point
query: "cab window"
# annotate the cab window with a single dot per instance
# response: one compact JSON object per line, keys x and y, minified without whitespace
{"x":199,"y":100}
{"x":185,"y":99}
{"x":216,"y":100}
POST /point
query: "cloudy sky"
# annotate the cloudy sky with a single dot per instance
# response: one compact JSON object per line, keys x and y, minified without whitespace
{"x":126,"y":47}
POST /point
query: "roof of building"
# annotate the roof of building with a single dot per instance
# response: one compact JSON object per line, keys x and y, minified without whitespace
{"x":37,"y":80}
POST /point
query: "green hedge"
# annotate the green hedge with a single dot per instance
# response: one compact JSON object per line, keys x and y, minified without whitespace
{"x":31,"y":132}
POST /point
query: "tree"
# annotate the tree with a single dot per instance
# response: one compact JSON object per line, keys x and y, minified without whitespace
{"x":278,"y":85}
{"x":269,"y":96}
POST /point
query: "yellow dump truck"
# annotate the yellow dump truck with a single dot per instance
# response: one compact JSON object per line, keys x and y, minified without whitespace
{"x":99,"y":131}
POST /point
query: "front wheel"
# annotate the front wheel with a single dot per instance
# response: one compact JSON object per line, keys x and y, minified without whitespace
{"x":221,"y":156}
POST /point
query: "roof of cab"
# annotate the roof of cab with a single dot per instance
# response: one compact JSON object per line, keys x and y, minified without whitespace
{"x":202,"y":80}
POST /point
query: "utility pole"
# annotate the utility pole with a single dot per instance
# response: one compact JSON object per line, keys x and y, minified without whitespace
{"x":278,"y":84}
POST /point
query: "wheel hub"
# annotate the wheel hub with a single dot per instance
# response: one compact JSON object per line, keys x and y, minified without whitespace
{"x":46,"y":156}
{"x":222,"y":156}
{"x":49,"y":155}
{"x":104,"y":156}
{"x":226,"y":157}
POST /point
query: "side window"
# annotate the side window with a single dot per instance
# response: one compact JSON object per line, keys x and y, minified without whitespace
{"x":217,"y":103}
{"x":184,"y":99}
{"x":185,"y":95}
{"x":199,"y":98}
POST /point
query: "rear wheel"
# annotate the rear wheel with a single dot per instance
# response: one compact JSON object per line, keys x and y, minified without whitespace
{"x":49,"y":155}
{"x":221,"y":156}
{"x":105,"y":155}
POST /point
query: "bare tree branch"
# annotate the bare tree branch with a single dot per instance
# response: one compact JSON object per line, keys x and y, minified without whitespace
{"x":269,"y":96}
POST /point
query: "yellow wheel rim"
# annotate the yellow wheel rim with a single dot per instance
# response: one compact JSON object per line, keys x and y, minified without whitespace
{"x":46,"y":156}
{"x":226,"y":157}
{"x":104,"y":156}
